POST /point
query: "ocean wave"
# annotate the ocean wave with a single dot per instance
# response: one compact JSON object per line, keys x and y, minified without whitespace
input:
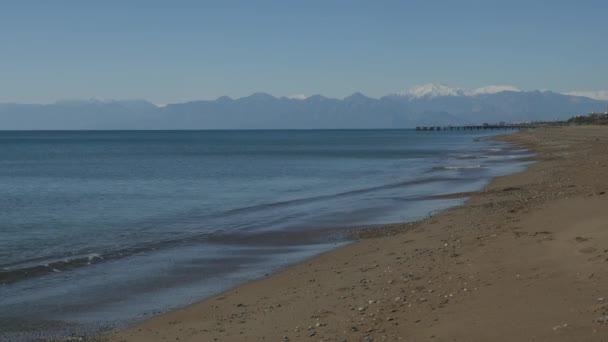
{"x":44,"y":265}
{"x":457,"y":167}
{"x":506,"y":151}
{"x":342,"y":194}
{"x":27,"y":270}
{"x":469,"y":156}
{"x":24,"y":269}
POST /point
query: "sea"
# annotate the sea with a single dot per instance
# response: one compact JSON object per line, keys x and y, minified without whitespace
{"x":101,"y":229}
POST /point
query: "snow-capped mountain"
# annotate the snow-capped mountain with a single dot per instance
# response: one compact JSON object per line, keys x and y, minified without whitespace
{"x":430,"y":105}
{"x":596,"y":95}
{"x":492,"y":89}
{"x":431,"y":90}
{"x":437,"y":90}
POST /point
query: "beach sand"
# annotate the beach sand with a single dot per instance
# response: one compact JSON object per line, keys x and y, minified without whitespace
{"x":526,"y":259}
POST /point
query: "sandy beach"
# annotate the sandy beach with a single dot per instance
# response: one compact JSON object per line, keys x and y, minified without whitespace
{"x":526,"y":259}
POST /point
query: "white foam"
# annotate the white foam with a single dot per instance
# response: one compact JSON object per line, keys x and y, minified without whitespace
{"x":94,"y":256}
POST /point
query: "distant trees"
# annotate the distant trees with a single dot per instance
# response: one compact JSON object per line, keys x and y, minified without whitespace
{"x":590,"y":119}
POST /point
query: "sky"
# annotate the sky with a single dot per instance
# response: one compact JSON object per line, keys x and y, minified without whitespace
{"x":176,"y":51}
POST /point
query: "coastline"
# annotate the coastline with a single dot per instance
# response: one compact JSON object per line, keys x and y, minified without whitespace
{"x":454,"y":276}
{"x":113,"y":288}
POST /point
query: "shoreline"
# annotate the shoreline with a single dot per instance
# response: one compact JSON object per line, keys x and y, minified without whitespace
{"x":394,"y":285}
{"x":433,"y":190}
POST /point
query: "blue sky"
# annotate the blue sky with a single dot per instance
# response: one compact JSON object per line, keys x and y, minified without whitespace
{"x":173,"y":51}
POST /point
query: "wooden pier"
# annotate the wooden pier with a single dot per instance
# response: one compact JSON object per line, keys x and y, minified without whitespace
{"x":492,"y":127}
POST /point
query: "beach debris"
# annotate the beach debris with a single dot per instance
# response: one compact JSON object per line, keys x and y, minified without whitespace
{"x":602,"y":320}
{"x":557,"y":327}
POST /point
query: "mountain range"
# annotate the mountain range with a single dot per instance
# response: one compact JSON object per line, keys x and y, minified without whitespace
{"x":432,"y":104}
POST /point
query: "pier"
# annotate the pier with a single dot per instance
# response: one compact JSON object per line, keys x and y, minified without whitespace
{"x":493,"y":127}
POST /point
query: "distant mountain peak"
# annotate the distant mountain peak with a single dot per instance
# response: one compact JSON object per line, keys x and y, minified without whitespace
{"x":297,"y":97}
{"x":492,"y":89}
{"x":260,"y":96}
{"x":356,"y":95}
{"x":317,"y":97}
{"x":431,"y":90}
{"x":437,"y":89}
{"x":438,"y":105}
{"x":596,"y":95}
{"x":224,"y":98}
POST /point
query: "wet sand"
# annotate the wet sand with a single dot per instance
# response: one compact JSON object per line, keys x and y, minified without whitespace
{"x":524,"y":260}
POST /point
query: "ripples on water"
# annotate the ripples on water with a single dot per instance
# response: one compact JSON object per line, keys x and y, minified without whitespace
{"x":105,"y":227}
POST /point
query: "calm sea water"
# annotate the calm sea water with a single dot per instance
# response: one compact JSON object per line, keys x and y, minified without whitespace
{"x":102,"y":228}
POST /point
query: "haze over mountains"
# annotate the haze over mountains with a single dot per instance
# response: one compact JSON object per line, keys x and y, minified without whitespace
{"x":432,"y":104}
